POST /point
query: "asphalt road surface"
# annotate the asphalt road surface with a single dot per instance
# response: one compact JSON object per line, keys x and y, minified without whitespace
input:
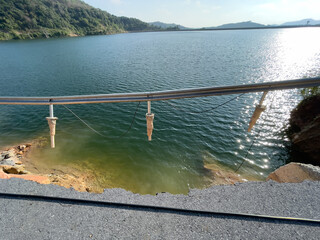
{"x":23,"y":217}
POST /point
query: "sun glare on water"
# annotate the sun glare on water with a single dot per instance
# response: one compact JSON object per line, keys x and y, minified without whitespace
{"x":297,"y":49}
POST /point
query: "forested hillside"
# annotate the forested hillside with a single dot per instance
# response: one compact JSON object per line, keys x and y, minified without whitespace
{"x":28,"y":19}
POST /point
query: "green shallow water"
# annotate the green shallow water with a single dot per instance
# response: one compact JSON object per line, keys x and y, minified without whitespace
{"x":173,"y":161}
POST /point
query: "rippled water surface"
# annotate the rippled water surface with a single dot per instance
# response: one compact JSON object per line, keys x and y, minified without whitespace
{"x":182,"y":141}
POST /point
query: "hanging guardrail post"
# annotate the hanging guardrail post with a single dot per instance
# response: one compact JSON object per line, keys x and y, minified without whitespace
{"x":162,"y":95}
{"x":150,"y":117}
{"x":257,"y":112}
{"x":52,"y":121}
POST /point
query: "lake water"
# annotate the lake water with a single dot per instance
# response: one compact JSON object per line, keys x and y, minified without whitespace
{"x":182,"y":142}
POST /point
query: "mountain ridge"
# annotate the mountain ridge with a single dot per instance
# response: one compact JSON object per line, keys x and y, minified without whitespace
{"x":25,"y":19}
{"x":163,"y":25}
{"x":302,"y":22}
{"x":239,"y":25}
{"x":247,"y":24}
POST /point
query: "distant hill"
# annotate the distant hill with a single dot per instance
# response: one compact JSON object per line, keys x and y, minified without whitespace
{"x":247,"y":24}
{"x":167,"y":25}
{"x":308,"y":21}
{"x":26,"y":19}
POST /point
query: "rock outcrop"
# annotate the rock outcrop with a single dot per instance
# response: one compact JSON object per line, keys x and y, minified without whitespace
{"x":11,"y":165}
{"x":10,"y":159}
{"x":15,"y":160}
{"x":305,"y":130}
{"x":295,"y":173}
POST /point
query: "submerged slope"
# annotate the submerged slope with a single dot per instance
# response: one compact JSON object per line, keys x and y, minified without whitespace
{"x":25,"y":19}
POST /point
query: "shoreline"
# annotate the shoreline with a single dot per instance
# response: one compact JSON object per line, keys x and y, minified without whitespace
{"x":72,"y":34}
{"x":15,"y":162}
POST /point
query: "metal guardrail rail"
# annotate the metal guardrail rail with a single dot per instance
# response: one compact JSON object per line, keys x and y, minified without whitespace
{"x":162,"y":95}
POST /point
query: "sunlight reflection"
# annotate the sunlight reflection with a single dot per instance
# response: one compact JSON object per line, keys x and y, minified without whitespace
{"x":298,"y":50}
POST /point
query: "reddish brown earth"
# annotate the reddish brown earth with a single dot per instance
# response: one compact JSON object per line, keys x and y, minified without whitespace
{"x":222,"y":175}
{"x":15,"y":163}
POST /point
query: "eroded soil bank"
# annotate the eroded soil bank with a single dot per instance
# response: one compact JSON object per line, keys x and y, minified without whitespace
{"x":16,"y":162}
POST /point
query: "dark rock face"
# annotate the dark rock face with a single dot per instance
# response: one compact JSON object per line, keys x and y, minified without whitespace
{"x":305,"y":129}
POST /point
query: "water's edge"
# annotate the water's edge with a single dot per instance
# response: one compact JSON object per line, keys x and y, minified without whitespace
{"x":16,"y":162}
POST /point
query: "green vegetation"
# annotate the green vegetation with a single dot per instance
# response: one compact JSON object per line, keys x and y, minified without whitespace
{"x":28,"y":19}
{"x":309,"y":92}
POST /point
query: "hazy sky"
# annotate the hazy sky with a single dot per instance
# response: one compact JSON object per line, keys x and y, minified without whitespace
{"x":206,"y":13}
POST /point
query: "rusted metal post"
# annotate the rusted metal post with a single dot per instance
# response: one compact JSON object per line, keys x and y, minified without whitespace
{"x":52,"y":121}
{"x":149,"y":117}
{"x":257,"y":112}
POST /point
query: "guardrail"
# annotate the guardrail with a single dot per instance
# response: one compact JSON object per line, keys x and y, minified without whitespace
{"x":162,"y":95}
{"x":157,"y":96}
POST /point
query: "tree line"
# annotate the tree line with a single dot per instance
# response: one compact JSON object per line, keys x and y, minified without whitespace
{"x":27,"y":19}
